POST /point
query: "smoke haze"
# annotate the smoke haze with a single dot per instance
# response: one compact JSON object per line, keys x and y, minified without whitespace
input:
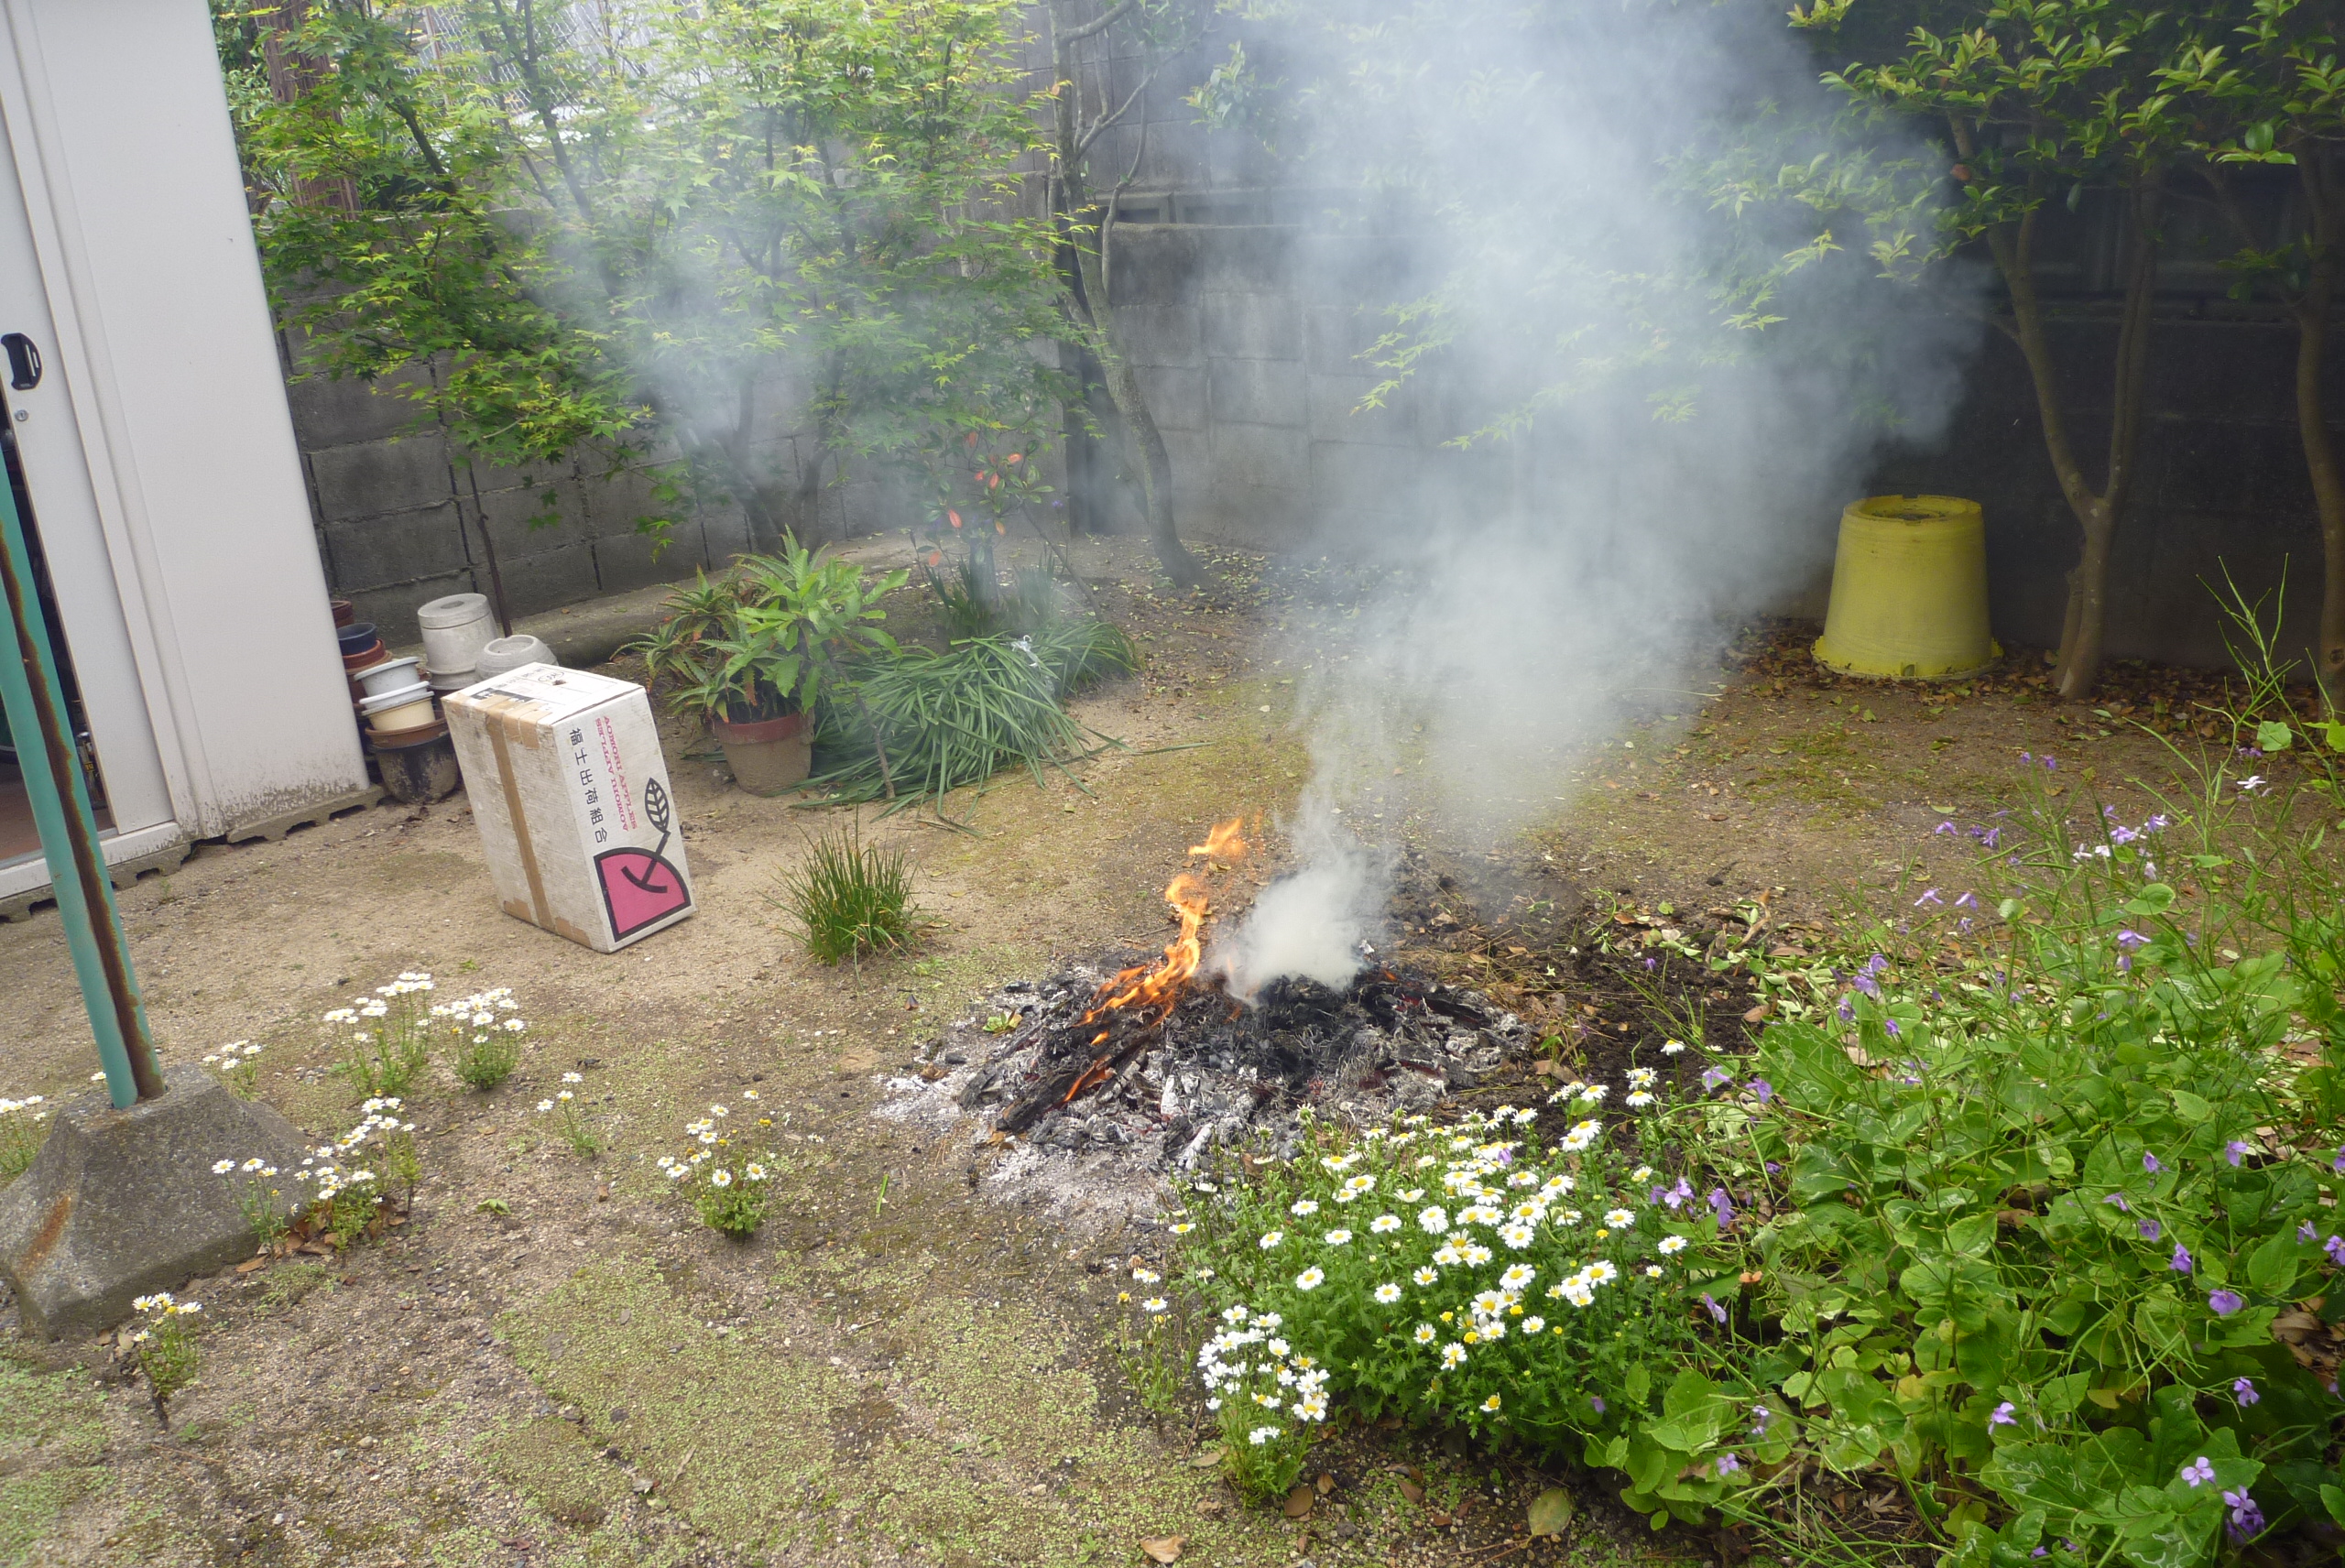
{"x":1676,"y":472}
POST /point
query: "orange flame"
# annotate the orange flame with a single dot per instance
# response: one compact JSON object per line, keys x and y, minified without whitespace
{"x":1159,"y":986}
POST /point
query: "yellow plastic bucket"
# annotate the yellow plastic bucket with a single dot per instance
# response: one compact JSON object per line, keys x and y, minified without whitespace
{"x":1909,"y":591}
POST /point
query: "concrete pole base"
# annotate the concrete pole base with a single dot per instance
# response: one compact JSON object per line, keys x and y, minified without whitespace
{"x":121,"y":1204}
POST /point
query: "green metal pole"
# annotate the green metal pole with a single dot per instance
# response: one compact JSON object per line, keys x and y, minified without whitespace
{"x":68,"y":831}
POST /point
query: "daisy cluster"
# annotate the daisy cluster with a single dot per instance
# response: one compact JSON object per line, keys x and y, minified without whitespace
{"x":727,"y":1180}
{"x":239,"y":1063}
{"x":386,"y":1042}
{"x":1470,"y":1270}
{"x":476,"y":1015}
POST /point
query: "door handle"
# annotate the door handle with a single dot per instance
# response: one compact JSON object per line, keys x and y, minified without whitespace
{"x":24,"y":361}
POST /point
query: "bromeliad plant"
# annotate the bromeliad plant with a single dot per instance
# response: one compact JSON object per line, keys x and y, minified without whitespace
{"x":1474,"y":1275}
{"x":767,"y":639}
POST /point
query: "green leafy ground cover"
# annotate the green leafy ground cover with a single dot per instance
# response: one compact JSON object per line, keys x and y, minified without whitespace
{"x":2021,"y":1210}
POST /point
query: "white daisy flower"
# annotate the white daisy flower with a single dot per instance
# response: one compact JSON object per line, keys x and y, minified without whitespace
{"x":1388,"y":1294}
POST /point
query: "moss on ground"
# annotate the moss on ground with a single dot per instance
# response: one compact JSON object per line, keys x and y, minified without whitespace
{"x":774,"y":1448}
{"x":53,"y":1440}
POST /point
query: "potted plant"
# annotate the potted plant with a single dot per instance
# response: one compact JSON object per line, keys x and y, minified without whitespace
{"x":751,"y":652}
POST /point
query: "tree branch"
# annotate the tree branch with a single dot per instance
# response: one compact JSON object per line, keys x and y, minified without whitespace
{"x":1098,"y":25}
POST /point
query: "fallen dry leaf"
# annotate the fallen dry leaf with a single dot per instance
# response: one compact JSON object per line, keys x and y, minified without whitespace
{"x":1437,"y":1519}
{"x":1411,"y":1491}
{"x":249,"y":1264}
{"x":1756,"y":1014}
{"x":1163,"y":1548}
{"x":1298,"y":1501}
{"x":1551,"y":1513}
{"x":1326,"y":1482}
{"x":1207,"y":1458}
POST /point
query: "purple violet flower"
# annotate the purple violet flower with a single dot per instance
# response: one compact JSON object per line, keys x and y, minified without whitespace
{"x":2223,"y":1303}
{"x":1942,"y":828}
{"x":1848,"y":1009}
{"x":1761,"y":1088}
{"x":1761,"y":1419}
{"x":2199,"y":1471}
{"x":2235,"y":1151}
{"x":2247,"y":1519}
{"x":2243,"y":1390}
{"x":2335,"y":1248}
{"x":1988,"y":839}
{"x":2305,"y":1232}
{"x":1712,"y":1077}
{"x":1723,"y":1206}
{"x":2002,"y":1415}
{"x":1967,"y":901}
{"x":2117,"y":1201}
{"x":1929,"y":896}
{"x":2132,"y":938}
{"x":1891,"y":1024}
{"x":1717,"y":1313}
{"x":1597,"y":1401}
{"x":2150,"y":1163}
{"x":2151,"y":1230}
{"x":1728,"y":1464}
{"x":2180,"y":1261}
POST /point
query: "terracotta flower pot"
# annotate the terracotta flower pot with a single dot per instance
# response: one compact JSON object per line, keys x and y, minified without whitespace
{"x":767,"y":756}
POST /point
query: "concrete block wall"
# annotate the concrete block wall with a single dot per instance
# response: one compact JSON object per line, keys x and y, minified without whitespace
{"x":401,"y":519}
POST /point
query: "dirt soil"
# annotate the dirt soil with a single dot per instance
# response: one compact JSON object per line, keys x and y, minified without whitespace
{"x":552,"y":1364}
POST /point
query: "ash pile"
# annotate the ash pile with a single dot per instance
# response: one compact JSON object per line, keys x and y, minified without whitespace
{"x":1090,"y":1108}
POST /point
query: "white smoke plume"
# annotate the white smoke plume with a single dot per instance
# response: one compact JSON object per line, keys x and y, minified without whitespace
{"x":1675,"y":475}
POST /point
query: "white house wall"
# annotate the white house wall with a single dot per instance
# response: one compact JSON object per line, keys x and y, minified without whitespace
{"x":119,"y":128}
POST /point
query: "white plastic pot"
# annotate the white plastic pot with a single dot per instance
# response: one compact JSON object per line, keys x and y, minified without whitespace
{"x":390,"y":675}
{"x":403,"y":709}
{"x":506,"y":654}
{"x":454,"y":630}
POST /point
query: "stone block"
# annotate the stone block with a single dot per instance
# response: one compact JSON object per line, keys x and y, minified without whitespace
{"x":626,"y":562}
{"x":378,"y":477}
{"x":121,"y":1204}
{"x":1177,"y":398}
{"x":378,"y":552}
{"x":1268,"y":457}
{"x":1334,"y":336}
{"x":548,"y":579}
{"x":330,"y":413}
{"x":393,"y":609}
{"x":1252,"y":326}
{"x":1257,"y":392}
{"x":1157,"y":265}
{"x":610,"y":505}
{"x":512,"y":517}
{"x":1168,"y":335}
{"x":1336,"y":415}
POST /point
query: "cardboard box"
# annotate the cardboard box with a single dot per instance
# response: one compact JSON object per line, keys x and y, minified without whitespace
{"x":571,"y":794}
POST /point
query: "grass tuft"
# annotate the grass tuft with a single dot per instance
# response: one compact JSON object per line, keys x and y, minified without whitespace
{"x":850,"y":899}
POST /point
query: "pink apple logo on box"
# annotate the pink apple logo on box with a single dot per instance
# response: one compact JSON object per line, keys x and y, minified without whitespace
{"x":640,"y":887}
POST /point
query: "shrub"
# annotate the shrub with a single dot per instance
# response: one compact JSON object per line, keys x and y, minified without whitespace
{"x":1471,"y":1275}
{"x":2044,"y":1202}
{"x":850,"y":899}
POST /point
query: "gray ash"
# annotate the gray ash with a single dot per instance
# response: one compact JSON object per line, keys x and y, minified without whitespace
{"x":1101,"y":1121}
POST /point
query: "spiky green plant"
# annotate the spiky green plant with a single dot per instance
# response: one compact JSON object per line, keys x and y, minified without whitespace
{"x":850,"y":899}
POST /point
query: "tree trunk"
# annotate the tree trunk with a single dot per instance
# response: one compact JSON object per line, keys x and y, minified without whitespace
{"x":1087,"y":301}
{"x":2079,"y":667}
{"x":2313,"y":310}
{"x":2084,"y":628}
